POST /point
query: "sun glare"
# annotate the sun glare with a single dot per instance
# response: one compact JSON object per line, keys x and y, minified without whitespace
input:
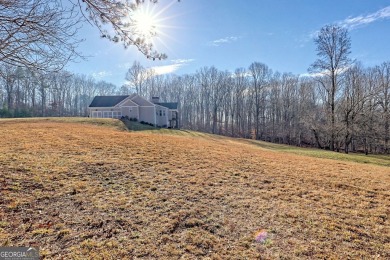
{"x":146,"y":23}
{"x":151,"y":23}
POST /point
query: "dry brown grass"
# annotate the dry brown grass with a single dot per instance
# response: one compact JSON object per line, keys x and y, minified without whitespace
{"x":83,"y":191}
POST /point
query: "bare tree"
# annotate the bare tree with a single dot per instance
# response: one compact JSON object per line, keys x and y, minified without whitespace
{"x":289,"y":89}
{"x":206,"y":77}
{"x":136,"y":76}
{"x":240,"y":87}
{"x":7,"y":73}
{"x":39,"y":34}
{"x":260,"y":76}
{"x":307,"y":106}
{"x":352,"y":103}
{"x":383,"y":72}
{"x":333,"y":49}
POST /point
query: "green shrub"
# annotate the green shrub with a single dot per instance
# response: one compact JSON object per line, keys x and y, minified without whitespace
{"x":5,"y":113}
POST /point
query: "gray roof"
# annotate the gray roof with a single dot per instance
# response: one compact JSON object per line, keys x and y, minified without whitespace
{"x":106,"y":101}
{"x":171,"y":105}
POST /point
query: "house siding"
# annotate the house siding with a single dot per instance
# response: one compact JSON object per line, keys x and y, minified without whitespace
{"x":146,"y":114}
{"x":162,"y":114}
{"x":131,"y":112}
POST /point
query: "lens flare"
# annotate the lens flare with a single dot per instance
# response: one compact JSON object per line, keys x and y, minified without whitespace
{"x":145,"y":23}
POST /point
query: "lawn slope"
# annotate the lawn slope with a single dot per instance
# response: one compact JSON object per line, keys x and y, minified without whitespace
{"x":79,"y":190}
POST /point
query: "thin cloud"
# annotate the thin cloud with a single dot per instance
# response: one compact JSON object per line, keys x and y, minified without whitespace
{"x":354,"y":22}
{"x":101,"y":74}
{"x":167,"y":69}
{"x":182,"y":60}
{"x":225,"y":40}
{"x":164,"y":69}
{"x":323,"y":73}
{"x":311,"y":75}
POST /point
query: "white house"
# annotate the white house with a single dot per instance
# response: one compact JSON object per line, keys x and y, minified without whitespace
{"x":135,"y":107}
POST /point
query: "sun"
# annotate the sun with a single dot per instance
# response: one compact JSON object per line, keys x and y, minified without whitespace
{"x":150,"y":25}
{"x":145,"y":23}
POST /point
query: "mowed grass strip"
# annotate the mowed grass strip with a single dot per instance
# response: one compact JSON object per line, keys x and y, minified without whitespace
{"x":378,"y":159}
{"x":85,"y":191}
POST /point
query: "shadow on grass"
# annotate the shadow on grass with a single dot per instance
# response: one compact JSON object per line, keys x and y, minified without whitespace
{"x":382,"y":160}
{"x":135,"y":126}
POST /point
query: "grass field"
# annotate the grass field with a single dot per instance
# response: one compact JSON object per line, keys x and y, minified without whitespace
{"x":87,"y":189}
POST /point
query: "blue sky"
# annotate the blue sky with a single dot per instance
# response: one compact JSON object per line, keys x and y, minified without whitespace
{"x":230,"y":34}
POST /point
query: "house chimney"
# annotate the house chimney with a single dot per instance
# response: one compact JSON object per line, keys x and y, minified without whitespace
{"x":155,"y":100}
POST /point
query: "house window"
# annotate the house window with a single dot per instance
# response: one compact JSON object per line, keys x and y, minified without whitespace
{"x":116,"y":114}
{"x":163,"y":112}
{"x":160,"y":113}
{"x":107,"y":114}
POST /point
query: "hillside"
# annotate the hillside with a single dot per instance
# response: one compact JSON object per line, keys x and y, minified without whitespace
{"x":81,"y":190}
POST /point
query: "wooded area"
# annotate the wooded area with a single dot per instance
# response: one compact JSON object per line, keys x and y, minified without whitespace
{"x":250,"y":103}
{"x":340,"y":105}
{"x":282,"y":107}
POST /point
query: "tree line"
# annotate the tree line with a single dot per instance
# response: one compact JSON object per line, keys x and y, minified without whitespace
{"x":254,"y":102}
{"x":31,"y":93}
{"x":259,"y":103}
{"x":340,"y":105}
